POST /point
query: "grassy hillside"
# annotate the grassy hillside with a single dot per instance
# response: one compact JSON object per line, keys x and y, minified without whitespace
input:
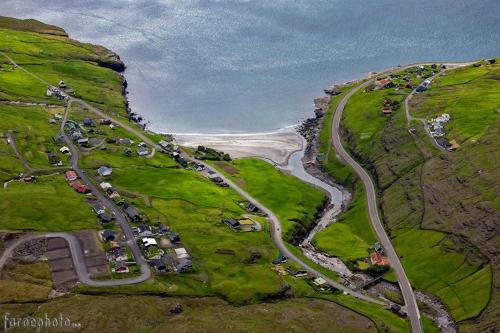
{"x":293,"y":201}
{"x":438,"y":207}
{"x":163,"y":192}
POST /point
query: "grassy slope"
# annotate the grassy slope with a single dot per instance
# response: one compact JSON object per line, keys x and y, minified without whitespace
{"x":352,"y":235}
{"x":293,"y":201}
{"x":195,"y":216}
{"x":47,"y":205}
{"x":200,"y":314}
{"x":433,"y":260}
{"x":57,"y":58}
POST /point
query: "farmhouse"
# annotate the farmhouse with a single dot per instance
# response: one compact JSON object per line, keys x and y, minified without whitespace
{"x":142,"y":151}
{"x":70,"y":175}
{"x":88,"y":122}
{"x":99,"y":209}
{"x":148,"y":242}
{"x":132,"y":213}
{"x":108,"y":235}
{"x":251,"y":208}
{"x":84,"y":142}
{"x":183,"y":265}
{"x":233,"y":223}
{"x":104,"y":171}
{"x":64,"y":150}
{"x":105,"y":217}
{"x":105,"y":186}
{"x":144,"y":230}
{"x":377,"y":259}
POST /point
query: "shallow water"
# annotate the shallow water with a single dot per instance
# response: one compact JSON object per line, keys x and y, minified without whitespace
{"x":230,"y":66}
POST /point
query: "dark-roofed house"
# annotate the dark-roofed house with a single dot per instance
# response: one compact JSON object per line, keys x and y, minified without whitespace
{"x":217,"y":180}
{"x":158,"y":265}
{"x":53,"y":160}
{"x":88,"y":122}
{"x":144,"y":230}
{"x":163,"y":229}
{"x":132,"y":213}
{"x":183,"y":265}
{"x":105,"y":217}
{"x":108,"y":235}
{"x":252,"y":208}
{"x":175,"y":237}
{"x":83,"y":142}
{"x":99,"y":209}
{"x":233,"y":223}
{"x":142,"y":151}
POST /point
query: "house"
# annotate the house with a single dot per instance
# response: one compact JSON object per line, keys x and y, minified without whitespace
{"x":84,"y":189}
{"x":144,"y":230}
{"x":142,"y":144}
{"x":217,"y":180}
{"x":108,"y":235}
{"x":76,"y":135}
{"x":377,"y":259}
{"x":387,"y":111}
{"x":117,"y":253}
{"x":70,"y":175}
{"x":132,"y":213}
{"x":175,"y":155}
{"x":142,"y":151}
{"x":233,"y":223}
{"x":64,"y":150}
{"x":105,"y":217}
{"x":111,"y":192}
{"x":127,"y":152}
{"x":443,"y":143}
{"x":104,"y":186}
{"x":120,"y":267}
{"x":378,"y":248}
{"x":181,"y":253}
{"x":106,"y":122}
{"x":125,"y":141}
{"x":163,"y":229}
{"x":53,"y":160}
{"x":491,"y":61}
{"x":183,"y":265}
{"x":104,"y":171}
{"x":320,"y":158}
{"x":175,"y":237}
{"x":29,"y":179}
{"x":387,"y":102}
{"x":300,"y":274}
{"x":99,"y":209}
{"x":158,"y":265}
{"x":148,"y":242}
{"x":438,"y":131}
{"x":384,"y":83}
{"x":88,"y":122}
{"x":319,"y":281}
{"x":110,"y":140}
{"x":164,"y":144}
{"x":62,"y":84}
{"x":84,"y":142}
{"x":251,"y":208}
{"x":52,"y":121}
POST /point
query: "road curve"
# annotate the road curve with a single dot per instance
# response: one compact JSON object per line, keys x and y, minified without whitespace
{"x":275,"y":223}
{"x":371,"y":196}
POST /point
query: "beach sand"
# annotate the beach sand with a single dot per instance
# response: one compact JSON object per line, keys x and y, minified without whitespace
{"x":274,"y":146}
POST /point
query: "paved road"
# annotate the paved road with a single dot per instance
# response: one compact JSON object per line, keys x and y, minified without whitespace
{"x":76,"y":254}
{"x":275,"y":223}
{"x":404,"y":283}
{"x":110,"y":205}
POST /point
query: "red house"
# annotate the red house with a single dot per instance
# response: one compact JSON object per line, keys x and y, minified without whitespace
{"x":377,"y":259}
{"x":71,"y":175}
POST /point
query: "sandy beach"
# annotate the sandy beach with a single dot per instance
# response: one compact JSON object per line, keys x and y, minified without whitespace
{"x":274,"y":146}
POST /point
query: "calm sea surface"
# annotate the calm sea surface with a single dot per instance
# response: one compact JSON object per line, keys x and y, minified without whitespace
{"x":252,"y":66}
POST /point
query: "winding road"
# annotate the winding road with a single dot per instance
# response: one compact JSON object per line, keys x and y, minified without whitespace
{"x":371,"y":196}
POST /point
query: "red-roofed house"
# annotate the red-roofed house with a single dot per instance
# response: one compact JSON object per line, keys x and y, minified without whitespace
{"x":377,"y":259}
{"x":71,"y":175}
{"x":385,"y":83}
{"x":386,"y":111}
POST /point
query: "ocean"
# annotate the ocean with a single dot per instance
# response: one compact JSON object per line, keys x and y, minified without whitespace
{"x":255,"y":66}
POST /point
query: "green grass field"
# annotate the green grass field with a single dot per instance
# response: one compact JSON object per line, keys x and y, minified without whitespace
{"x":471,"y":98}
{"x":55,"y":58}
{"x":293,"y":201}
{"x":47,"y":205}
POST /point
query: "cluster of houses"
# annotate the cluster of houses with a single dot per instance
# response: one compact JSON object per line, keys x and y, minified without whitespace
{"x":115,"y":253}
{"x":75,"y":132}
{"x":163,"y":249}
{"x":387,"y":108}
{"x":112,"y":193}
{"x":436,"y":125}
{"x":73,"y":182}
